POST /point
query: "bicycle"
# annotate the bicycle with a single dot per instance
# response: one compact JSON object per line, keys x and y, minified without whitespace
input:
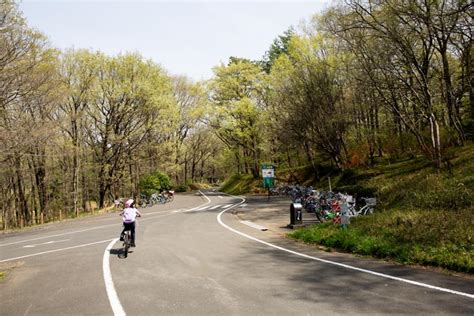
{"x":157,"y":198}
{"x":367,"y":209}
{"x":169,"y":195}
{"x":127,"y":242}
{"x":144,"y":201}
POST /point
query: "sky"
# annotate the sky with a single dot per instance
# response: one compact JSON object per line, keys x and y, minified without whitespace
{"x":185,"y":37}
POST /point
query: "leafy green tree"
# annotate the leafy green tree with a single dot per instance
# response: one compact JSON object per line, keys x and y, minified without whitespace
{"x":191,"y":101}
{"x":127,"y":99}
{"x":28,"y":94}
{"x":308,"y":97}
{"x":405,"y":50}
{"x":78,"y":72}
{"x":279,"y":46}
{"x":237,"y":99}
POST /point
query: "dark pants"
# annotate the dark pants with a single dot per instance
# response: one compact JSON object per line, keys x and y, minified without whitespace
{"x":131,"y":228}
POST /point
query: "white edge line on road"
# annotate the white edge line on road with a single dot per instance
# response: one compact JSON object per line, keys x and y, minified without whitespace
{"x":58,"y":235}
{"x":199,"y":206}
{"x":70,"y":233}
{"x":102,"y":226}
{"x":254,"y":225}
{"x":346,"y":266}
{"x":45,"y":243}
{"x":109,"y":283}
{"x":55,"y":250}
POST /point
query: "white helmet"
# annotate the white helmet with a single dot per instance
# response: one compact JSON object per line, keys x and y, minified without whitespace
{"x":129,"y":203}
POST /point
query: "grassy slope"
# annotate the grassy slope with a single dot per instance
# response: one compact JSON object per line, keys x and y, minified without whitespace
{"x":423,"y":217}
{"x":242,"y":184}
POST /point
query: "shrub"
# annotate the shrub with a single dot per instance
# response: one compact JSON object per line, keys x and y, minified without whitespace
{"x":181,"y":188}
{"x":155,"y":182}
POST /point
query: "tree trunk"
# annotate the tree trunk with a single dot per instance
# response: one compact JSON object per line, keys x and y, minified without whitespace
{"x":193,"y":168}
{"x":21,"y":205}
{"x":454,"y":120}
{"x":186,"y":168}
{"x":102,"y":186}
{"x":40,"y":175}
{"x":75,"y":181}
{"x":435,"y":138}
{"x":237,"y":160}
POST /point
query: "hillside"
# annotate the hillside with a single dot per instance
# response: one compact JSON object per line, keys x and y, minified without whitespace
{"x":423,"y":216}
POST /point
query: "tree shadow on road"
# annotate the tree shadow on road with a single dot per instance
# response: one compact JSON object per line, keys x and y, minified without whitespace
{"x":348,"y":290}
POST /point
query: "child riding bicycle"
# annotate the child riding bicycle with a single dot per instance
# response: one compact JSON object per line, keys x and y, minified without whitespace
{"x":129,"y":215}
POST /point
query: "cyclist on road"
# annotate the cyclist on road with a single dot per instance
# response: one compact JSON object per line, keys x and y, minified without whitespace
{"x":129,"y":215}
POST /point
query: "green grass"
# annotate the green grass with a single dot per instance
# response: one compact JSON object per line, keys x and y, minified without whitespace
{"x":434,"y":238}
{"x":423,"y":216}
{"x":241,"y":184}
{"x":3,"y":275}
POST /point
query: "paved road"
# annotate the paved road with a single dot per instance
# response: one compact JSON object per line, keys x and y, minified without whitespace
{"x":195,"y":256}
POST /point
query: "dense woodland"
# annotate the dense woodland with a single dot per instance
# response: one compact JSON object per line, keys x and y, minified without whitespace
{"x":361,"y":81}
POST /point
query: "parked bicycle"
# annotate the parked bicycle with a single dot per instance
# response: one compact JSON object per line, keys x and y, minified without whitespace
{"x":156,"y":198}
{"x":143,"y":200}
{"x":168,"y":195}
{"x":327,"y":205}
{"x":367,"y":209}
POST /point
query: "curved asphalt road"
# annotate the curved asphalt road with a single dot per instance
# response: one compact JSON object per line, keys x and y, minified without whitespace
{"x":194,"y":257}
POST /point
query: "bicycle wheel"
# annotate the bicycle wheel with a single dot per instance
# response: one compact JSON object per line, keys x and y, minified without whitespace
{"x":126,"y":243}
{"x":370,"y":211}
{"x":319,"y":216}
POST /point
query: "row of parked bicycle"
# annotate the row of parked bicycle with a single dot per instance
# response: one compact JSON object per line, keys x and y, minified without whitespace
{"x":156,"y":198}
{"x":328,"y":205}
{"x":147,"y":201}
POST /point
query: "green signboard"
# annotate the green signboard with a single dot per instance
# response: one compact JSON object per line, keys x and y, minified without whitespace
{"x":268,"y":174}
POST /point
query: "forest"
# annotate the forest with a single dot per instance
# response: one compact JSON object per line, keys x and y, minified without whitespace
{"x":364,"y":80}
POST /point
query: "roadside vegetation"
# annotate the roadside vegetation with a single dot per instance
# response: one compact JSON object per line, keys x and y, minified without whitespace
{"x":423,"y":216}
{"x":241,"y":184}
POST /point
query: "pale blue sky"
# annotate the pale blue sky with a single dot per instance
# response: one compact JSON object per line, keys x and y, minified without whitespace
{"x":185,"y":37}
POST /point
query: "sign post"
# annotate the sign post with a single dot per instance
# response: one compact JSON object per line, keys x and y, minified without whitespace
{"x":268,"y":174}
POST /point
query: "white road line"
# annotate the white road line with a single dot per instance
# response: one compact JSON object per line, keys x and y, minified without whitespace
{"x":58,"y":235}
{"x":342,"y":265}
{"x":254,"y":225}
{"x":214,"y":207}
{"x":55,"y":250}
{"x":202,"y":208}
{"x":46,"y":243}
{"x":160,"y":211}
{"x":98,"y":227}
{"x":197,"y":207}
{"x":109,"y":283}
{"x":227,"y":205}
{"x":69,"y":233}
